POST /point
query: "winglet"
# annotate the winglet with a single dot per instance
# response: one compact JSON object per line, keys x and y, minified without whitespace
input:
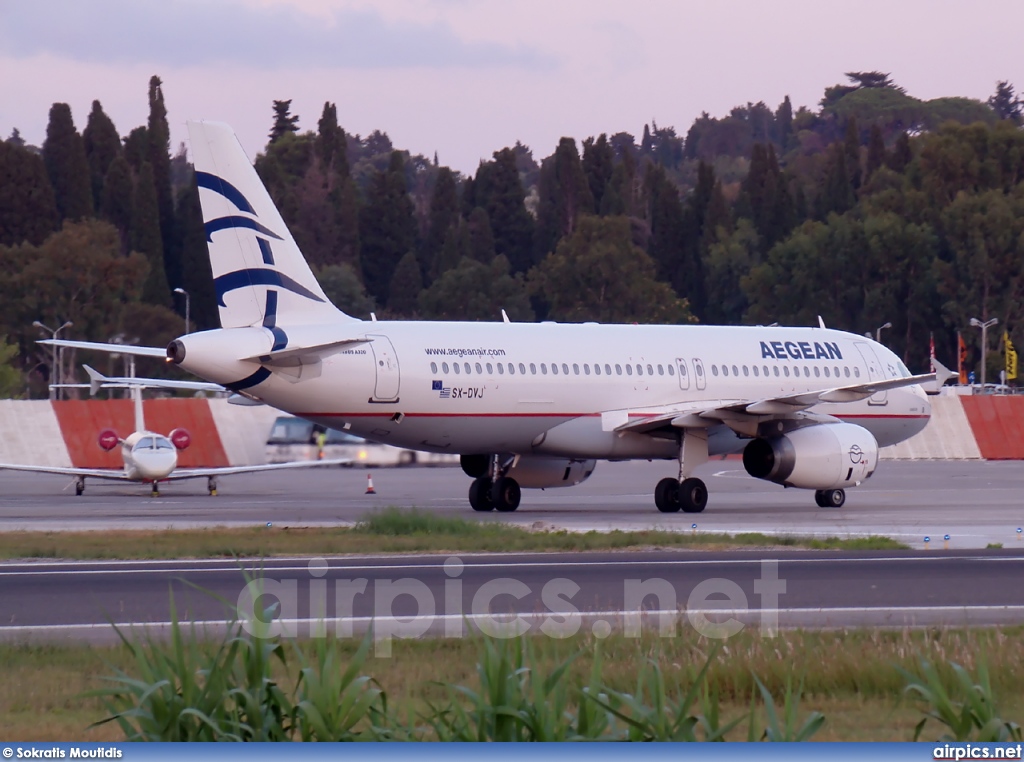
{"x":942,"y":375}
{"x":821,"y":323}
{"x":96,"y":380}
{"x":504,"y":317}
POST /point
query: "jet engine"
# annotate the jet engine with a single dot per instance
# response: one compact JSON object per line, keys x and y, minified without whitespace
{"x":108,"y":439}
{"x":538,"y":472}
{"x":180,"y":438}
{"x":819,"y":457}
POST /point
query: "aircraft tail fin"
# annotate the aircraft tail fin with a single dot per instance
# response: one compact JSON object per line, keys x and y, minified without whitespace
{"x":261,"y":277}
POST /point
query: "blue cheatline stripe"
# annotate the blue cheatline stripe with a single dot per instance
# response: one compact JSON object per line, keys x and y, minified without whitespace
{"x":258,"y":276}
{"x":224,"y":188}
{"x":268,"y":255}
{"x":237,"y":221}
{"x":250,"y":381}
{"x":270,"y":321}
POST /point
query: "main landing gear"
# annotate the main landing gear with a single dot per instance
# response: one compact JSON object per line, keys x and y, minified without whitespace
{"x":496,"y":491}
{"x":687,"y":493}
{"x":80,"y":485}
{"x":211,"y":485}
{"x":830,"y":498}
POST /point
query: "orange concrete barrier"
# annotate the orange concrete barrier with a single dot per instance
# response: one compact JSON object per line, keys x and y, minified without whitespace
{"x":998,"y":425}
{"x":82,"y":420}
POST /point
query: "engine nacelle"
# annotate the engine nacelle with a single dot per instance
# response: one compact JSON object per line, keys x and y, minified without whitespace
{"x":537,"y":472}
{"x":108,"y":439}
{"x":180,"y":438}
{"x":476,"y":465}
{"x":823,"y":456}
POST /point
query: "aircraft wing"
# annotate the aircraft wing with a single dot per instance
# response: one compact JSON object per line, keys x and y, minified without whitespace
{"x":92,"y":473}
{"x":195,"y":473}
{"x":123,"y":349}
{"x":708,"y":413}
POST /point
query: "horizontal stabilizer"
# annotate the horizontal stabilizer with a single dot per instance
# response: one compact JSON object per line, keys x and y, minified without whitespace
{"x":118,"y":349}
{"x":98,"y":381}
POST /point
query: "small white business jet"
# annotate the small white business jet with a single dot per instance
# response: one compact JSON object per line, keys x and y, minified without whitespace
{"x":150,"y":457}
{"x":535,"y":405}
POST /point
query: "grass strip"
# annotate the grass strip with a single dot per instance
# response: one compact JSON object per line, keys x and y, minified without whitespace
{"x":391,"y":530}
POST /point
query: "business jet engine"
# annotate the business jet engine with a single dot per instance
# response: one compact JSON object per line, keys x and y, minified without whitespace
{"x":820,"y":457}
{"x":108,"y":439}
{"x":180,"y":438}
{"x":534,"y":471}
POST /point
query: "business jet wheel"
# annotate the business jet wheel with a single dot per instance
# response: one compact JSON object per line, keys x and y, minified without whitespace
{"x":480,"y":494}
{"x":830,"y":498}
{"x":666,"y":495}
{"x":505,"y":494}
{"x":693,"y":495}
{"x":211,"y":486}
{"x":80,"y":486}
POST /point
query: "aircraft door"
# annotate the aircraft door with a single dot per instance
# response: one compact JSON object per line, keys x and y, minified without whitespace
{"x":385,"y":361}
{"x":684,"y":373}
{"x":874,"y":372}
{"x":698,"y":372}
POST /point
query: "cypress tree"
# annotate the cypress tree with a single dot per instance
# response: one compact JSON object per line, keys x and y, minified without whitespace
{"x":851,"y":144}
{"x":901,"y":155}
{"x":66,"y":165}
{"x":102,"y":146}
{"x":443,"y":215}
{"x":876,"y":150}
{"x":784,"y":124}
{"x":564,"y":197}
{"x":28,"y":209}
{"x":136,"y":148}
{"x":598,"y":165}
{"x":197,"y":276}
{"x":159,"y":155}
{"x":406,"y":285}
{"x":481,"y":238}
{"x":284,"y":122}
{"x":146,"y":239}
{"x":387,"y":227}
{"x":116,"y":204}
{"x":500,"y":193}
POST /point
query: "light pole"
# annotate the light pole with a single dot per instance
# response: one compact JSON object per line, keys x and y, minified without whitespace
{"x":188,"y":301}
{"x":54,"y":367}
{"x":878,"y":331}
{"x":984,"y":343}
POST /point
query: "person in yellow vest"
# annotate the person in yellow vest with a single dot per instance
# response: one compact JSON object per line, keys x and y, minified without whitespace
{"x":321,"y":440}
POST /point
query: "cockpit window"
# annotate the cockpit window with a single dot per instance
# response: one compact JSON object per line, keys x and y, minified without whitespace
{"x":163,"y":444}
{"x":146,"y":443}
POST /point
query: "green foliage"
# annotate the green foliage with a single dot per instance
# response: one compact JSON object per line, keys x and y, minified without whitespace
{"x":66,"y":165}
{"x":477,"y":291}
{"x":387,"y":228}
{"x":28,"y":208}
{"x":284,"y":122}
{"x":785,"y":729}
{"x":12,"y":381}
{"x":146,"y":238}
{"x":406,"y":285}
{"x":499,"y":192}
{"x":342,"y":286}
{"x":564,"y":197}
{"x":102,"y":145}
{"x":968,"y":711}
{"x":598,"y":273}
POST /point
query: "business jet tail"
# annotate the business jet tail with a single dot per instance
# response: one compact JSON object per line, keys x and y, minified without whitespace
{"x":261,"y":277}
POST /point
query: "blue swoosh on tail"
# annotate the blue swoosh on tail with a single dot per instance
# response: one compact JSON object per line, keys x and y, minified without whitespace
{"x":258,"y":276}
{"x":237,"y":221}
{"x":226,"y":189}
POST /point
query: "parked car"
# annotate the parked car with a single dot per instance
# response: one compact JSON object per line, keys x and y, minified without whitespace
{"x":296,"y":439}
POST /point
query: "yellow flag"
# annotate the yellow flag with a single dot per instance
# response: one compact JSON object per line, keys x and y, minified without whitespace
{"x":1011,"y":357}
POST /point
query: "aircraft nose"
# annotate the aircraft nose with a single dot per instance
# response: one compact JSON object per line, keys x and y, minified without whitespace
{"x":156,"y":464}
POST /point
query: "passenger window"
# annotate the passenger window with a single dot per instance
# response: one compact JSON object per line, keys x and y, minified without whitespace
{"x":817,"y":373}
{"x":597,"y":369}
{"x":511,"y":369}
{"x":650,"y":369}
{"x":565,"y":369}
{"x":735,"y":370}
{"x":755,"y":371}
{"x":766,"y":371}
{"x":433,"y":367}
{"x":543,"y":368}
{"x":501,"y":369}
{"x":490,"y":369}
{"x":456,"y":368}
{"x":807,"y":371}
{"x":444,"y":367}
{"x":836,"y":371}
{"x":725,"y":370}
{"x":618,"y":369}
{"x":586,"y":368}
{"x":554,"y":369}
{"x":856,"y":372}
{"x":775,"y":368}
{"x":607,"y":369}
{"x":629,"y":369}
{"x":745,"y":371}
{"x":671,"y":370}
{"x":826,"y":371}
{"x":639,"y":369}
{"x":533,"y":369}
{"x":785,"y":371}
{"x":661,"y":370}
{"x":714,"y":370}
{"x":576,"y":369}
{"x":522,"y":369}
{"x":479,"y":369}
{"x":846,"y":371}
{"x":468,"y":369}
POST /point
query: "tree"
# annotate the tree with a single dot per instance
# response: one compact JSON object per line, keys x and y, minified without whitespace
{"x":284,"y":122}
{"x":442,"y":217}
{"x":851,"y":144}
{"x":102,"y":145}
{"x":342,"y":286}
{"x":500,"y":193}
{"x":876,"y":151}
{"x":784,"y":124}
{"x":901,"y":154}
{"x":406,"y":285}
{"x":28,"y":209}
{"x":598,"y":165}
{"x":387,"y":227}
{"x":159,"y":156}
{"x":116,"y":204}
{"x":598,"y":273}
{"x":726,"y":262}
{"x":197,"y":275}
{"x":1006,"y":104}
{"x":564,"y":197}
{"x":66,"y":165}
{"x":145,"y":238}
{"x":475,"y":291}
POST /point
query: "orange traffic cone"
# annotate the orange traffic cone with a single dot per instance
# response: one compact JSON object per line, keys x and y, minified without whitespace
{"x":369,"y":485}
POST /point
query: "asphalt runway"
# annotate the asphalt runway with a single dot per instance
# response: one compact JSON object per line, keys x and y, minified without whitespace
{"x":557,"y":594}
{"x":975,"y":503}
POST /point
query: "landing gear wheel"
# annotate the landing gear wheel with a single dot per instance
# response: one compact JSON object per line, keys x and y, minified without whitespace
{"x":480,"y":495}
{"x":211,"y":486}
{"x":505,"y":494}
{"x":156,"y":490}
{"x":80,"y":485}
{"x":693,"y":495}
{"x":666,"y":495}
{"x":830,"y":498}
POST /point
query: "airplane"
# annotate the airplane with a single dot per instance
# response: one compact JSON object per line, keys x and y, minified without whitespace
{"x":534,"y":405}
{"x":151,"y":457}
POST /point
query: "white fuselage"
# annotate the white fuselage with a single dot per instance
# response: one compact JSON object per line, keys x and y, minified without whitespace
{"x":148,"y":457}
{"x":554,"y":389}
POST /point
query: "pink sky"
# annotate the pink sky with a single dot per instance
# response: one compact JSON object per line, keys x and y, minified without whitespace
{"x":466,"y":78}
